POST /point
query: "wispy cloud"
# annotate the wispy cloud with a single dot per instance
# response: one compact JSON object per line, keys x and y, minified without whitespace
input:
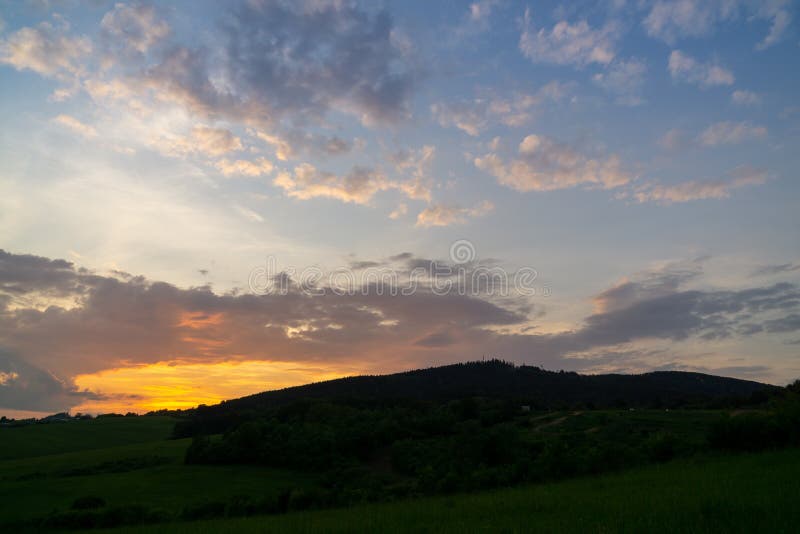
{"x":80,"y":128}
{"x":447,"y":215}
{"x":568,"y":43}
{"x":684,"y":68}
{"x":544,"y":164}
{"x":700,"y":190}
{"x":729,"y":133}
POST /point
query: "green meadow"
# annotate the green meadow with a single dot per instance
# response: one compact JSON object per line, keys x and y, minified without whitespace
{"x":740,"y":493}
{"x":145,"y":481}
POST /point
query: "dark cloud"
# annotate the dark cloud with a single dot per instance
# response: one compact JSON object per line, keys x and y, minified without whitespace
{"x":121,"y":321}
{"x":27,"y":387}
{"x":770,"y":270}
{"x":437,"y":339}
{"x":24,"y":274}
{"x":357,"y":265}
{"x":790,"y":323}
{"x":293,"y":60}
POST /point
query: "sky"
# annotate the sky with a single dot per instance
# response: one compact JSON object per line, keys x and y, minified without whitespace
{"x":203,"y":200}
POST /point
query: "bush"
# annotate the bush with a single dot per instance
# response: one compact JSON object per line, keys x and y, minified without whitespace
{"x":203,"y":510}
{"x":89,"y":502}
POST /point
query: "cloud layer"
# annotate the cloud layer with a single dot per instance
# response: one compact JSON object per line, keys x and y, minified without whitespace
{"x":58,"y":321}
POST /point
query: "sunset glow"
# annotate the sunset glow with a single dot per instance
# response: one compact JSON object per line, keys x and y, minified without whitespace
{"x":177,"y":385}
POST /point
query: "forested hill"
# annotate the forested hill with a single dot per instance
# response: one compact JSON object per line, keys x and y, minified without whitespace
{"x":529,"y":385}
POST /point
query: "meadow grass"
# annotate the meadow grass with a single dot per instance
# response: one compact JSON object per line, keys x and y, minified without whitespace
{"x":738,"y":493}
{"x":129,"y":461}
{"x":152,"y":474}
{"x":54,"y":438}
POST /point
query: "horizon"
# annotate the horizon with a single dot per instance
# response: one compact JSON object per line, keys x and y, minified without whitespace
{"x":37,"y":415}
{"x":203,"y":201}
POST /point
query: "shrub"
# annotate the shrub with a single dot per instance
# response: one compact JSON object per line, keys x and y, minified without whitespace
{"x":88,"y":502}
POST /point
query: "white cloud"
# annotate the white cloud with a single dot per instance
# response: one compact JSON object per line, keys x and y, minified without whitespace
{"x":479,"y":11}
{"x":745,"y":98}
{"x":358,"y":186}
{"x":685,"y":68}
{"x":777,"y":12}
{"x":543,"y":164}
{"x":45,"y":50}
{"x":728,"y":133}
{"x":202,"y":139}
{"x":445,"y":215}
{"x":75,"y":125}
{"x":417,"y":165}
{"x":670,"y":20}
{"x":569,"y":44}
{"x":700,"y":190}
{"x":241,"y":167}
{"x":476,"y":115}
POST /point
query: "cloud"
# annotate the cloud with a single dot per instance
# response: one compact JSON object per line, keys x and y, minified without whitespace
{"x":132,"y":321}
{"x":729,"y":133}
{"x":745,"y":98}
{"x":625,"y":79}
{"x":289,"y":144}
{"x":399,"y":211}
{"x":358,"y":186}
{"x":249,"y":214}
{"x":282,"y":58}
{"x":778,"y":13}
{"x":480,"y":10}
{"x":474,"y":21}
{"x":685,"y":68}
{"x":444,"y":215}
{"x":674,"y":139}
{"x":700,"y":190}
{"x":241,"y":167}
{"x":203,"y":140}
{"x":781,"y":268}
{"x":544,"y":164}
{"x":569,"y":44}
{"x":46,"y":50}
{"x":26,"y":387}
{"x":475,"y":115}
{"x":416,"y":165}
{"x":76,"y":126}
{"x":670,"y":20}
{"x":654,"y":283}
{"x":361,"y":183}
{"x":134,"y":27}
{"x":117,"y":323}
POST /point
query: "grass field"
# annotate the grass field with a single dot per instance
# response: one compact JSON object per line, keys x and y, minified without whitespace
{"x":150,"y":472}
{"x":744,"y":493}
{"x":55,"y":438}
{"x":129,"y":462}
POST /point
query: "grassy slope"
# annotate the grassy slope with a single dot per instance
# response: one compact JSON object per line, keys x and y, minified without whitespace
{"x":33,"y":486}
{"x":54,"y":438}
{"x":745,"y":493}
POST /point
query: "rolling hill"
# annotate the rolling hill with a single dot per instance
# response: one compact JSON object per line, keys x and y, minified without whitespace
{"x":533,"y":386}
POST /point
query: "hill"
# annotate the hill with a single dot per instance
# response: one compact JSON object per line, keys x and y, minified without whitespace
{"x":532,"y":386}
